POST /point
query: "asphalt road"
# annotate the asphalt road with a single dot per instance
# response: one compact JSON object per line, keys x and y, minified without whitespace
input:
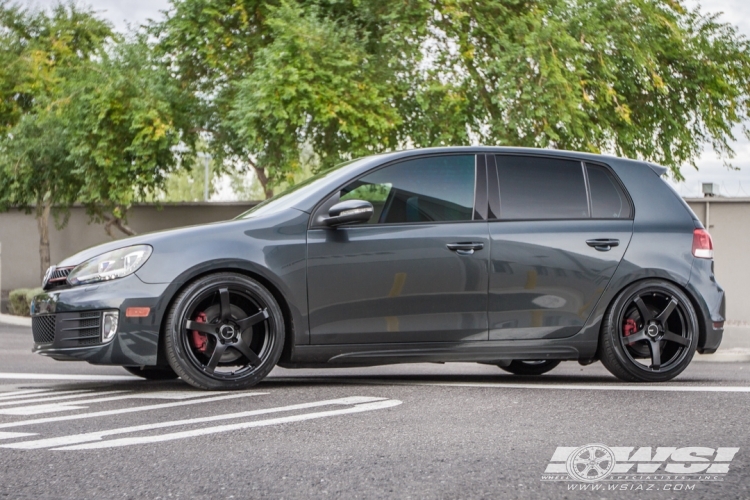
{"x":76,"y":431}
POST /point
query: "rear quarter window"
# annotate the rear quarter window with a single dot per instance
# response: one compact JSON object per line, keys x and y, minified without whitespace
{"x":608,"y":201}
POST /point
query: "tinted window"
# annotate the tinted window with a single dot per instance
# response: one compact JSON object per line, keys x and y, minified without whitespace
{"x":541,"y":188}
{"x":439,"y":188}
{"x":607,"y":199}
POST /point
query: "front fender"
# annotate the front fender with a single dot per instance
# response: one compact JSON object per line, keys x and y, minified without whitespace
{"x":272,"y":249}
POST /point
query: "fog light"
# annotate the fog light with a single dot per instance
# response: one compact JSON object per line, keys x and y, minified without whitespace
{"x":109,"y":325}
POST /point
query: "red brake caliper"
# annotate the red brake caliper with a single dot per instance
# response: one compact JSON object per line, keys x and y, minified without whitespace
{"x":199,"y":339}
{"x":629,"y":328}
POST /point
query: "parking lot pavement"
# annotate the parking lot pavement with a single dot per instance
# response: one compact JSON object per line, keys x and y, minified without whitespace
{"x":72,"y":430}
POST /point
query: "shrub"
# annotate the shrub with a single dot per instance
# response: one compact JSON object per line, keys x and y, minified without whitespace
{"x":20,"y":300}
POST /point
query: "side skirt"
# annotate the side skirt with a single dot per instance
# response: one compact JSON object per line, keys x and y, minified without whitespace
{"x":331,"y":356}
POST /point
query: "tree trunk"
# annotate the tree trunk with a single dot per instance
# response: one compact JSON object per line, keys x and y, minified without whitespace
{"x":261,"y":175}
{"x":42,"y":221}
{"x":113,"y":221}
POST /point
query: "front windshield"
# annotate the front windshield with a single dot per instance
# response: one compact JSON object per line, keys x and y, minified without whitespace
{"x":289,"y":196}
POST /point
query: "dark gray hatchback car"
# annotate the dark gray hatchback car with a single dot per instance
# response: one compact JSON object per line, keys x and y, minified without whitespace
{"x":520,"y":258}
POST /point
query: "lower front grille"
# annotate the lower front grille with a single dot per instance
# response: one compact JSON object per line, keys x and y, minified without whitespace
{"x":82,"y":328}
{"x":68,"y":329}
{"x":43,"y":328}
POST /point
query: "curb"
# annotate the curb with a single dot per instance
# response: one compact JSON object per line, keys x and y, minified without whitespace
{"x":8,"y":319}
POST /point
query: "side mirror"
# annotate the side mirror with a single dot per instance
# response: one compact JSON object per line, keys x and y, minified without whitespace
{"x":349,"y":212}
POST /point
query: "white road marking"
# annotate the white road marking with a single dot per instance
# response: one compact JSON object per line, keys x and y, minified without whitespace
{"x":99,"y":435}
{"x":54,"y":396}
{"x":80,"y":403}
{"x":358,"y":408}
{"x":21,"y":394}
{"x":59,"y":376}
{"x":496,"y":385}
{"x":13,"y":435}
{"x":107,"y":413}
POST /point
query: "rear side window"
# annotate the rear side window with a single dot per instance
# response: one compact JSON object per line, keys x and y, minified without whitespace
{"x":541,"y":188}
{"x":433,"y":189}
{"x":608,"y":201}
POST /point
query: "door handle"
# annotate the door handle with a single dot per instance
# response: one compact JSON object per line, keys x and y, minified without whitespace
{"x":465,"y":248}
{"x":603,"y":244}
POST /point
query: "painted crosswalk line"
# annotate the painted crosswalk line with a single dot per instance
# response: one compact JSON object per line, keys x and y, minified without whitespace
{"x":358,"y":403}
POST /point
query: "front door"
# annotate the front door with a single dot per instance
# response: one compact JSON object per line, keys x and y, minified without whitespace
{"x":417,"y":271}
{"x":559,"y":229}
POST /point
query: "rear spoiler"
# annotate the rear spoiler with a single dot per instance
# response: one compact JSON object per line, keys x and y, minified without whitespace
{"x":658,"y":169}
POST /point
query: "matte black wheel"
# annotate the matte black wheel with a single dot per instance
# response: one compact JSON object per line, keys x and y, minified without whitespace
{"x":152,"y":372}
{"x":224,"y":331}
{"x":649,"y":333}
{"x":530,"y":367}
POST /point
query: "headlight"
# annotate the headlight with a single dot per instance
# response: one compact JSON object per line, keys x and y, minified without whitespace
{"x":110,"y":265}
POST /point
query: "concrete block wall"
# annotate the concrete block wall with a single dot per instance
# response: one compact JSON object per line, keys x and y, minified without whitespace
{"x":19,"y":237}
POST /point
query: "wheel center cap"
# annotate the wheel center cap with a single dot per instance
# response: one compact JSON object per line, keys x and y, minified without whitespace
{"x":652,"y":330}
{"x":227,"y":332}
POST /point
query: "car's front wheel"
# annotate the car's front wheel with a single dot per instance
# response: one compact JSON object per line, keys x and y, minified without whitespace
{"x":224,"y":331}
{"x":649,"y":333}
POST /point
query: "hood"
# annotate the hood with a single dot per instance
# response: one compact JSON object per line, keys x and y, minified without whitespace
{"x":156,"y":238}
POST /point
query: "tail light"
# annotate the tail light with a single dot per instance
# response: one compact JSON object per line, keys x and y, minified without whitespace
{"x":703,"y":246}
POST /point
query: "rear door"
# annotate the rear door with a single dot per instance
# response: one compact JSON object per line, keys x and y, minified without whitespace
{"x":558,"y":230}
{"x":417,"y":271}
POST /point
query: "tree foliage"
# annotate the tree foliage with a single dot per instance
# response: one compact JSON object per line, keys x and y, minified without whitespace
{"x":649,"y":79}
{"x":274,"y":77}
{"x":85,"y":116}
{"x":124,"y":115}
{"x":36,"y":171}
{"x":641,"y":78}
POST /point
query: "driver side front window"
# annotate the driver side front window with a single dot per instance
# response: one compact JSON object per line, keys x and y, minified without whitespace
{"x":432,"y":189}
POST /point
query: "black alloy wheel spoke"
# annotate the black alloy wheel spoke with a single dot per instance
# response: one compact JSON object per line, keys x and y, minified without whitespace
{"x":247,"y":352}
{"x":655,"y":354}
{"x":253,"y":320}
{"x":636,"y":337}
{"x":226,"y":310}
{"x":201,"y":327}
{"x":215,"y":357}
{"x":673,"y":337}
{"x":664,"y":315}
{"x":645,"y":312}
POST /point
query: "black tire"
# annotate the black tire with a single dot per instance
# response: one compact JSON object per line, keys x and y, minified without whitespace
{"x":649,"y":333}
{"x":152,"y":372}
{"x":233,"y":321}
{"x":530,"y":367}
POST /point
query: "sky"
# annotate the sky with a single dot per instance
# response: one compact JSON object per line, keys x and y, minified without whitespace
{"x":735,"y":183}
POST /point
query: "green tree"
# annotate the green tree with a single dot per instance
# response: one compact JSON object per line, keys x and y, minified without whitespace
{"x":40,"y":49}
{"x":124,"y":112}
{"x":641,"y":78}
{"x":276,"y":77}
{"x":648,"y":79}
{"x":85,"y":116}
{"x":312,"y":85}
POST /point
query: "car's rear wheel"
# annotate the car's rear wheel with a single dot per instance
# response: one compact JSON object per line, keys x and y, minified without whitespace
{"x":224,"y":331}
{"x":649,"y":333}
{"x":530,"y":367}
{"x":152,"y":372}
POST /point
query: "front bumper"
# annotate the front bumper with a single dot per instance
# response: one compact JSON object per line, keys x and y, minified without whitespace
{"x":64,"y":322}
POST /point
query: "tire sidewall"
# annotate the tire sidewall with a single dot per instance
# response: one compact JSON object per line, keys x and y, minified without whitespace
{"x":178,"y":358}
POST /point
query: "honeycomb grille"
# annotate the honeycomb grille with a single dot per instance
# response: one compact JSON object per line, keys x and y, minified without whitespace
{"x":43,"y":328}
